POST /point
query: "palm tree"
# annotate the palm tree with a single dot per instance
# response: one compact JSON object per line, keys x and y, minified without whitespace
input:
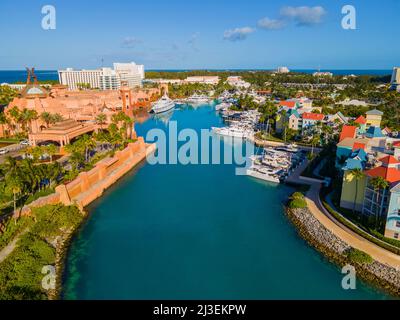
{"x":379,"y":184}
{"x":87,"y":143}
{"x":56,"y":117}
{"x":27,"y":116}
{"x":15,"y":186}
{"x":15,"y":115}
{"x":12,"y":167}
{"x":314,"y":141}
{"x":46,"y":117}
{"x":51,"y":150}
{"x":129,"y":123}
{"x":357,"y":175}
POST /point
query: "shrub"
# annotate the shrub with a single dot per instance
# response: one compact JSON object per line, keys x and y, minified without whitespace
{"x":12,"y":228}
{"x":297,"y":201}
{"x":382,"y":241}
{"x":358,"y":256}
{"x":20,"y":272}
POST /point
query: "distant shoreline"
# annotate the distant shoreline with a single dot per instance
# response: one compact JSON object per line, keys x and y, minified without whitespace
{"x":19,"y":76}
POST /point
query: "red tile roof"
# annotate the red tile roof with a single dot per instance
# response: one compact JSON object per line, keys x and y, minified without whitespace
{"x":389,"y":160}
{"x":396,"y":144}
{"x":358,"y":145}
{"x":389,"y":174}
{"x":288,"y":104}
{"x":348,"y":132}
{"x":361,"y":120}
{"x":313,"y":116}
{"x":387,"y":130}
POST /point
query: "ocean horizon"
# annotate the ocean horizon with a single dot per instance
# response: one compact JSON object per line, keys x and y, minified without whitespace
{"x":12,"y":76}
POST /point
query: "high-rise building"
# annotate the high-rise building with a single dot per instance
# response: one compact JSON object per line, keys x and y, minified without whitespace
{"x":74,"y":79}
{"x":283,"y":70}
{"x":395,"y":81}
{"x":123,"y":74}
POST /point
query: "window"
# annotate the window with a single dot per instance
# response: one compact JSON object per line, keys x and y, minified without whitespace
{"x":396,"y":235}
{"x":397,"y":224}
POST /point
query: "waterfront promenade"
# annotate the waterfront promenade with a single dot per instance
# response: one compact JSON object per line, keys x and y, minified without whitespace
{"x":356,"y":241}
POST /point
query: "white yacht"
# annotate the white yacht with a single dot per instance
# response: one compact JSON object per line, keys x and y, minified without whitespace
{"x":222,"y":106}
{"x":162,"y":105}
{"x":264,"y":173}
{"x":232,"y":131}
{"x":198,"y":99}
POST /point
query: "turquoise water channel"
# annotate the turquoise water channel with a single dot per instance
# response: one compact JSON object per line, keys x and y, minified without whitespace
{"x":196,"y":232}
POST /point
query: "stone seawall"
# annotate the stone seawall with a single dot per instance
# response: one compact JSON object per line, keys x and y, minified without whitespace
{"x":334,"y":249}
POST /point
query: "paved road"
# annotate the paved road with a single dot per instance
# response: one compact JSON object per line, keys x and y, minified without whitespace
{"x":15,"y":150}
{"x":350,"y":237}
{"x":5,"y":252}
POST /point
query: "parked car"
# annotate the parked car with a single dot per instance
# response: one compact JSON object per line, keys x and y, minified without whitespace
{"x":3,"y":151}
{"x":24,"y":143}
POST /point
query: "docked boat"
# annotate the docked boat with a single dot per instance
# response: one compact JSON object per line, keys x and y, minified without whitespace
{"x":233,"y":131}
{"x":275,"y":164}
{"x":197,"y":99}
{"x":163,"y":105}
{"x":223,"y":106}
{"x":265,"y":173}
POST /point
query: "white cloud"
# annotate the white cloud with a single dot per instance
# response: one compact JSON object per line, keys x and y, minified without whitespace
{"x":238,"y":33}
{"x":271,"y":24}
{"x":130,"y":42}
{"x":304,"y":16}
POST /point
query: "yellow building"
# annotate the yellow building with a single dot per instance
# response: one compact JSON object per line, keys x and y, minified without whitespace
{"x":352,"y":191}
{"x":374,"y":118}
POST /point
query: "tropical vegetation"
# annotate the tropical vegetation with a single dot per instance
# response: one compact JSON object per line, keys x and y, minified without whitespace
{"x":38,"y":244}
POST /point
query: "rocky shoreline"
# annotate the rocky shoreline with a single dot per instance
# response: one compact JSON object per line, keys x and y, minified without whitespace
{"x":334,"y":249}
{"x":62,"y":246}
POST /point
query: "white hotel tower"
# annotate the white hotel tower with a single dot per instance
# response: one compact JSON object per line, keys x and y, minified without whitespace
{"x":395,"y":81}
{"x":129,"y":74}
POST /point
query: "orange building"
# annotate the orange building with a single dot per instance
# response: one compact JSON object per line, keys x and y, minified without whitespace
{"x":80,"y":106}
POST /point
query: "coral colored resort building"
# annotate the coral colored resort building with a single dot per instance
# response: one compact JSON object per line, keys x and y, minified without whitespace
{"x":79,"y":109}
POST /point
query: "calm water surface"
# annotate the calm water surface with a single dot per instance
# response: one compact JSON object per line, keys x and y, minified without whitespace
{"x":196,"y":232}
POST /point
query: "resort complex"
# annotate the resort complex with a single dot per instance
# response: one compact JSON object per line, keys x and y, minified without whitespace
{"x":331,"y":141}
{"x":369,"y":159}
{"x":78,"y":109}
{"x":123,"y":74}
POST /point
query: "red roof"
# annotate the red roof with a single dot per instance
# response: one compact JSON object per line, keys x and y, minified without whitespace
{"x":358,"y":145}
{"x":389,"y":174}
{"x":396,"y":144}
{"x":289,"y":104}
{"x":361,"y":120}
{"x":313,"y":116}
{"x":348,"y":132}
{"x":389,"y":160}
{"x":387,"y":130}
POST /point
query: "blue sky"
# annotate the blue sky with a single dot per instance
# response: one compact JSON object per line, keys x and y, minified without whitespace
{"x":177,"y":34}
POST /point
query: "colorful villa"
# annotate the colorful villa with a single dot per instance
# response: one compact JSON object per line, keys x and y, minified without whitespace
{"x":367,"y":148}
{"x":300,"y":115}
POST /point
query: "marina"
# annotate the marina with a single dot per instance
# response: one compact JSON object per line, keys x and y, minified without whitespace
{"x":276,"y":164}
{"x":225,"y":237}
